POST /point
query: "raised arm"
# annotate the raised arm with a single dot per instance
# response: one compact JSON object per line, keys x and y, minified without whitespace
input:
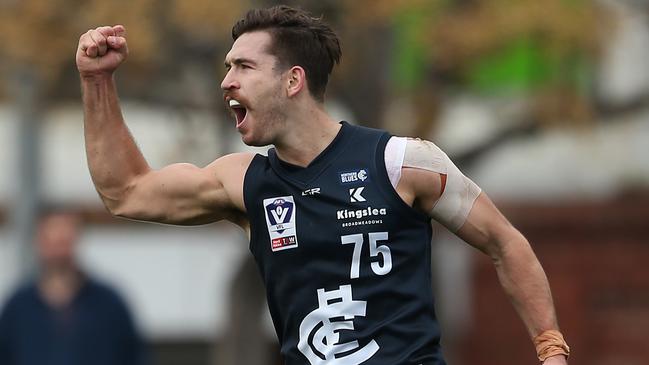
{"x":435,"y":186}
{"x":177,"y":194}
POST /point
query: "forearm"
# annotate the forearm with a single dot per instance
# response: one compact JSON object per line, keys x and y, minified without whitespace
{"x":113,"y":157}
{"x":524,"y":281}
{"x":520,"y":275}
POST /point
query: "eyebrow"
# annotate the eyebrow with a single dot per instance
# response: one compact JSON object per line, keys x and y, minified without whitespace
{"x":239,"y":61}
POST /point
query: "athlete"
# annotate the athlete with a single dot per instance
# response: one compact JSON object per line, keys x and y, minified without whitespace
{"x":338,"y":215}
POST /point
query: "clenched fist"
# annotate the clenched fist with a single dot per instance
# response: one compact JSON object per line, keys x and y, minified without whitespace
{"x":101,"y":51}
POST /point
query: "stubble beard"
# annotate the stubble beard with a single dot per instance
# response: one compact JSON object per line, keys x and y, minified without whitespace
{"x":269,"y":130}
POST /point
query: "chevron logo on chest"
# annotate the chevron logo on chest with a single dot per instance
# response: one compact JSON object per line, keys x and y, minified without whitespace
{"x":355,"y":195}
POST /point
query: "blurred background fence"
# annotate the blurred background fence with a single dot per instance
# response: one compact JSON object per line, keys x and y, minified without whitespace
{"x":545,"y":104}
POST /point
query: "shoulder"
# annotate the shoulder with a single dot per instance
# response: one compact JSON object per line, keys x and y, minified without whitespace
{"x":438,"y":186}
{"x":230,"y":169}
{"x":416,"y":169}
{"x":425,"y":155}
{"x":431,"y":183}
{"x":19,"y":299}
{"x":233,"y":162}
{"x":416,"y":153}
{"x":102,"y":290}
{"x":25,"y":291}
{"x":106,"y":295}
{"x":230,"y":172}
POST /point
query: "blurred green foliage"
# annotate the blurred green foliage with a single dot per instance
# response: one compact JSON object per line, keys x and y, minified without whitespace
{"x":523,"y":65}
{"x":410,"y":55}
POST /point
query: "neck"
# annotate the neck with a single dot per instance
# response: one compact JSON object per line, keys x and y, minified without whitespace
{"x":310,"y":134}
{"x":59,"y":285}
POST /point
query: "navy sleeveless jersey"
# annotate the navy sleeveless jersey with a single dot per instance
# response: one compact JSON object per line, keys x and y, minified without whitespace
{"x":345,"y":261}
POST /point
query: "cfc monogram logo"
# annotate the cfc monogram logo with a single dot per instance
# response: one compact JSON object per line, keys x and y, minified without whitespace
{"x":320,"y":334}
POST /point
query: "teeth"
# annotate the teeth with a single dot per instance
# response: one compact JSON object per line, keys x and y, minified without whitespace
{"x":234,"y":103}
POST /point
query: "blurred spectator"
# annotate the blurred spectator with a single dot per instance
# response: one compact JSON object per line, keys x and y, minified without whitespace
{"x":246,"y":342}
{"x":65,"y":317}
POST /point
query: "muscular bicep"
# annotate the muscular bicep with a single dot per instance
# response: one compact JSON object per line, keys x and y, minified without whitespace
{"x":186,"y":194}
{"x":468,"y":213}
{"x":487,"y":229}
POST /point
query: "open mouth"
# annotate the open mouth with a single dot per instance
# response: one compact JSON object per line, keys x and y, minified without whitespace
{"x":239,"y":111}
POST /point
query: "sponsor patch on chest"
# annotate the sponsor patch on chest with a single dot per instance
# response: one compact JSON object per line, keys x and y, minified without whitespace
{"x":280,"y":220}
{"x":355,"y":176}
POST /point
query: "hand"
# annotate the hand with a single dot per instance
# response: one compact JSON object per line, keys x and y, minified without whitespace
{"x":556,"y":360}
{"x":101,"y":51}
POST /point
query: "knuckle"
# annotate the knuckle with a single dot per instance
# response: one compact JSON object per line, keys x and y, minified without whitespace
{"x":100,"y":41}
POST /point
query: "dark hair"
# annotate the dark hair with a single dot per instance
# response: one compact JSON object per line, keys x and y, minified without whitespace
{"x":297,"y":39}
{"x":47,"y":209}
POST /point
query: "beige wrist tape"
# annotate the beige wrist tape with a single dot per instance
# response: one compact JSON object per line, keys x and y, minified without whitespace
{"x":459,"y":193}
{"x":550,"y":343}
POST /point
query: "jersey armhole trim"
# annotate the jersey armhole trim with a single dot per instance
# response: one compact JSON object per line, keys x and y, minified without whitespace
{"x":246,"y":179}
{"x":386,"y":185}
{"x":395,"y":152}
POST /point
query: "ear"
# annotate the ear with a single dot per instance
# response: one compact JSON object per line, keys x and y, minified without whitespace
{"x":296,"y":81}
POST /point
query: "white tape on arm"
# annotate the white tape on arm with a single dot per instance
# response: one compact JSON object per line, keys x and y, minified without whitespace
{"x":459,"y":194}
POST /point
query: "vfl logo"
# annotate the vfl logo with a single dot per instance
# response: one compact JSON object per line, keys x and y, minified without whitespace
{"x":280,"y":219}
{"x":350,"y":177}
{"x":320,"y":330}
{"x":355,"y":194}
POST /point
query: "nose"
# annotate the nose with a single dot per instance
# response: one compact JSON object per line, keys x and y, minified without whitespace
{"x":229,"y":82}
